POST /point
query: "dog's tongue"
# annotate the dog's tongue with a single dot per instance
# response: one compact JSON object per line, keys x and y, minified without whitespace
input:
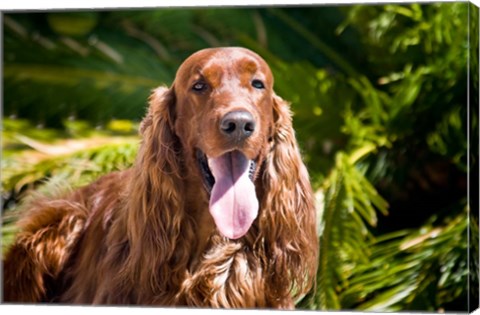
{"x":233,"y":202}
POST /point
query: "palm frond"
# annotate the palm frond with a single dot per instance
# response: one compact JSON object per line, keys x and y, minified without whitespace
{"x":349,"y":208}
{"x":409,"y":270}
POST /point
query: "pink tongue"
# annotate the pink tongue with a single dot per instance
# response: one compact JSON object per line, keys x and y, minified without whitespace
{"x":233,"y":202}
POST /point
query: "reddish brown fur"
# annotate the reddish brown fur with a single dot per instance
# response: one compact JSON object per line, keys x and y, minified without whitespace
{"x":145,"y":235}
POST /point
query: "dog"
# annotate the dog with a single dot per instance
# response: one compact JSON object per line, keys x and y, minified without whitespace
{"x":217,"y":210}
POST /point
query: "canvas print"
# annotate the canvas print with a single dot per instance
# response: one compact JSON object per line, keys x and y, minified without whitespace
{"x":320,"y":157}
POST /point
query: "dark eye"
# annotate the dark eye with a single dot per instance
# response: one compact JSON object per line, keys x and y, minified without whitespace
{"x":199,"y":86}
{"x":258,"y":84}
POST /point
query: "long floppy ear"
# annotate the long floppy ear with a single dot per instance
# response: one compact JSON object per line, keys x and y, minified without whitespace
{"x":155,"y":209}
{"x":288,"y":211}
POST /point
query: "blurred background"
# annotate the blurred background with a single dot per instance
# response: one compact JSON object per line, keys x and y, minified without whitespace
{"x":380,"y":95}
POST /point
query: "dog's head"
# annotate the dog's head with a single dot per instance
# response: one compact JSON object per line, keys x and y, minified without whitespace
{"x":222,"y":108}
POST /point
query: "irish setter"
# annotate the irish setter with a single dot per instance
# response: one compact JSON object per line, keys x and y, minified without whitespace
{"x":217,"y":210}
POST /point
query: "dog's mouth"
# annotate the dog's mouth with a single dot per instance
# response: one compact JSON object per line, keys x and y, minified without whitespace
{"x":229,"y":179}
{"x":209,"y":179}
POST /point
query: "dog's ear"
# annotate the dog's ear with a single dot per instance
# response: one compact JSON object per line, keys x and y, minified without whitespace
{"x":160,"y":144}
{"x":288,"y":210}
{"x":156,"y":199}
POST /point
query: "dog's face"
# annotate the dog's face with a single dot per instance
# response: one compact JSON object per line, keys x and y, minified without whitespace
{"x":224,"y":119}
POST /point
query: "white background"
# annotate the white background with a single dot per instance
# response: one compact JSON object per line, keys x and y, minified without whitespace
{"x":65,"y":4}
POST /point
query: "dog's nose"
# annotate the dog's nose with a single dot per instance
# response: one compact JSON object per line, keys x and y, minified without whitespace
{"x":237,"y":125}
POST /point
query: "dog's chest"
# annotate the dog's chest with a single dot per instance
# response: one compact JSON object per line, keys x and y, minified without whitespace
{"x":227,"y":275}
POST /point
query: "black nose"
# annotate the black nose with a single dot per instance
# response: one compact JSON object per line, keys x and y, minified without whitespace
{"x":237,"y":125}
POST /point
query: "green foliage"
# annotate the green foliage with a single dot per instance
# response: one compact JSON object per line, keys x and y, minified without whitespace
{"x":98,"y":157}
{"x":409,"y":270}
{"x":347,"y":208}
{"x":379,"y":100}
{"x":80,"y":160}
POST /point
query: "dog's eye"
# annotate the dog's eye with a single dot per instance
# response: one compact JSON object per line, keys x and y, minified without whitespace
{"x":258,"y":84}
{"x":199,"y":86}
